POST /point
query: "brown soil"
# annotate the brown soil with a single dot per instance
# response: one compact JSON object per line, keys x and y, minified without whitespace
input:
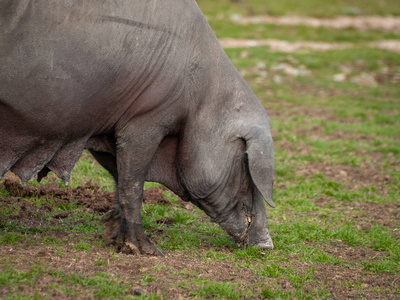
{"x":369,"y":173}
{"x":303,"y":46}
{"x":353,"y":283}
{"x":350,"y":176}
{"x":88,"y":195}
{"x":153,"y":195}
{"x":131,"y":269}
{"x":290,"y":110}
{"x":174,"y":276}
{"x":391,"y":24}
{"x":366,"y":213}
{"x":180,"y":267}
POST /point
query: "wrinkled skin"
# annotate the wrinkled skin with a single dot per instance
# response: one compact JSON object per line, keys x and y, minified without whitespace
{"x":146,"y":87}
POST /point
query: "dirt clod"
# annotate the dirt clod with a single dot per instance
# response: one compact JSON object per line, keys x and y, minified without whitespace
{"x":138,"y":291}
{"x":166,"y":221}
{"x":61,"y":215}
{"x":88,"y":195}
{"x":153,"y":195}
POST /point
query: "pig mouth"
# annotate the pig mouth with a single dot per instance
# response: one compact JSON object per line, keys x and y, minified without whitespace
{"x":244,"y":238}
{"x":262,"y":242}
{"x":230,"y":225}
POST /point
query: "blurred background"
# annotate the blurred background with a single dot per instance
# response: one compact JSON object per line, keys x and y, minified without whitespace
{"x":328,"y":75}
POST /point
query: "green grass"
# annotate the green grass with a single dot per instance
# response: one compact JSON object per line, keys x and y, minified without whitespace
{"x":271,"y":270}
{"x":229,"y":29}
{"x":103,"y":285}
{"x":83,"y":246}
{"x":220,"y":290}
{"x":307,"y":8}
{"x":219,"y":12}
{"x":11,"y":238}
{"x":320,"y":128}
{"x":101,"y":262}
{"x":12,"y":277}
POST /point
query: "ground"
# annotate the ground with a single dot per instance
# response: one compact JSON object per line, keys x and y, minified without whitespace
{"x":335,"y":116}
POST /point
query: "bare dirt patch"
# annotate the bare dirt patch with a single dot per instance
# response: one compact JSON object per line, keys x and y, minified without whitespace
{"x":147,"y":274}
{"x":154,"y":195}
{"x":343,"y":283}
{"x":366,"y":214}
{"x":352,"y":254}
{"x":350,"y":176}
{"x":391,"y":24}
{"x":88,"y":195}
{"x":304,"y":46}
{"x":174,"y":276}
{"x":316,"y":133}
{"x":282,"y":46}
{"x":387,"y":214}
{"x":354,"y":283}
{"x":390,"y":45}
{"x":296,"y":110}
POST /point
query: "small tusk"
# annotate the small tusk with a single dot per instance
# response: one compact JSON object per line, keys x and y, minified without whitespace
{"x":144,"y":209}
{"x":248,"y":220}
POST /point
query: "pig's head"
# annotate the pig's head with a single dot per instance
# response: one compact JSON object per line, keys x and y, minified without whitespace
{"x":229,"y":177}
{"x":252,"y":180}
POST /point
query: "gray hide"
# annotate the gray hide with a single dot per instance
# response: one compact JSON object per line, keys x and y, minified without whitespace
{"x":147,"y":88}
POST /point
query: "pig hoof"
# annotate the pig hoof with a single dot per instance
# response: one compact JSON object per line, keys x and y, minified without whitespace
{"x":131,"y":239}
{"x":147,"y":249}
{"x":268,"y":245}
{"x":128,"y":248}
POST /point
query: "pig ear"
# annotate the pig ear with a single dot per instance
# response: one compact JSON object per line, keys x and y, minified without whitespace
{"x":260,"y":154}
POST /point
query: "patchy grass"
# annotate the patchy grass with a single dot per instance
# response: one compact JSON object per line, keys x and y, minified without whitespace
{"x":228,"y":29}
{"x":313,"y":8}
{"x":336,"y":227}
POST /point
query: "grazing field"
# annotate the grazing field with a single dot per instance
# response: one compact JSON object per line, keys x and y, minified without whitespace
{"x":336,"y":229}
